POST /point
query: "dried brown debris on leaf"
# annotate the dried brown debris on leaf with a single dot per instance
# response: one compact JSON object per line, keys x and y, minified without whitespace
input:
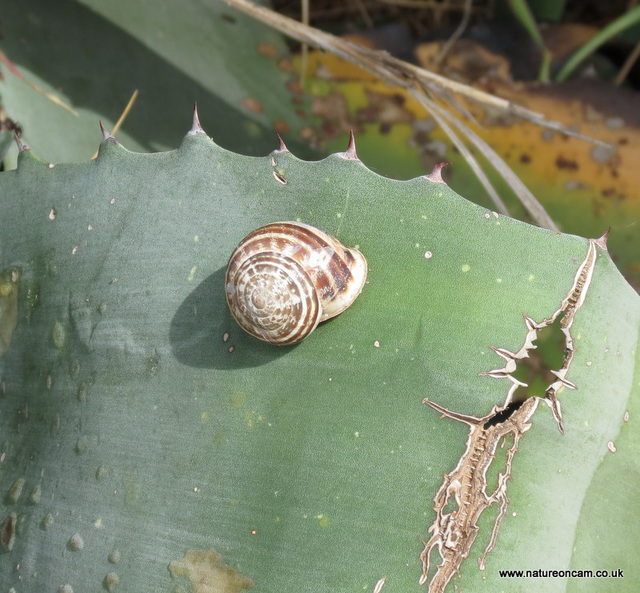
{"x":454,"y":531}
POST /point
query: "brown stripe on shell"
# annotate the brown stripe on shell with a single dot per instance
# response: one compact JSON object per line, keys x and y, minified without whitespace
{"x":273,"y":299}
{"x":333,"y":277}
{"x":336,"y":273}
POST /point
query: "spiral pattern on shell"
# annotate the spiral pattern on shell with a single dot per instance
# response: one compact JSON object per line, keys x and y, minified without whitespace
{"x":286,"y":277}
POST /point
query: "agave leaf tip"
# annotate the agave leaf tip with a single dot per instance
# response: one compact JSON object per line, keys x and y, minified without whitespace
{"x":350,"y":153}
{"x":106,"y":134}
{"x":196,"y":128}
{"x":602,"y":241}
{"x":22,"y":147}
{"x":436,"y":173}
{"x":282,"y":147}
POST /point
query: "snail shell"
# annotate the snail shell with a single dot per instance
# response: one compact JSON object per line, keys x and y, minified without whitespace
{"x":286,"y":277}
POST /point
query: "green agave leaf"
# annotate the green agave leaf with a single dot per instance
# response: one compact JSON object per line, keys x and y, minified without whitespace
{"x":149,"y":444}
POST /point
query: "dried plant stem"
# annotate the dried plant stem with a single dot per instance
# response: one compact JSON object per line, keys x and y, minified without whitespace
{"x":390,"y":69}
{"x":440,"y":115}
{"x":466,"y":15}
{"x":425,"y":86}
{"x":305,"y":48}
{"x":628,"y":64}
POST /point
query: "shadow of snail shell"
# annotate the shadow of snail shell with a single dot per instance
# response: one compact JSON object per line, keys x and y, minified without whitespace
{"x":286,"y":277}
